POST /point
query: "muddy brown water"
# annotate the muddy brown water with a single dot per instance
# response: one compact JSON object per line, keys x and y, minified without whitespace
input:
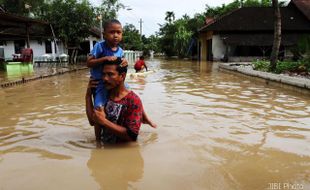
{"x":216,"y":130}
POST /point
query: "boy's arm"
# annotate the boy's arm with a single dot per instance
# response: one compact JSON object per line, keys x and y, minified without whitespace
{"x":93,"y":62}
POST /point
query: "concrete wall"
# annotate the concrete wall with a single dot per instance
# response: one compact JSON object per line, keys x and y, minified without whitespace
{"x":244,"y":58}
{"x":203,"y":37}
{"x":91,"y":40}
{"x":38,"y":49}
{"x":218,"y":48}
{"x":8,"y":50}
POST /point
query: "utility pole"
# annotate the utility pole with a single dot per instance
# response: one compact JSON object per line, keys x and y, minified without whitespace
{"x":140,"y":27}
{"x":99,"y":17}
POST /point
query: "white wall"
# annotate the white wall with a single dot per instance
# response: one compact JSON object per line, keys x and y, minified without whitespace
{"x":8,"y":50}
{"x":62,"y":48}
{"x":218,"y":47}
{"x":91,"y":39}
{"x":38,"y":49}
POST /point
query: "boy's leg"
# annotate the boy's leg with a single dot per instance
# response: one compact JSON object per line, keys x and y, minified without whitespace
{"x":101,"y":96}
{"x":100,"y":99}
{"x":97,"y":129}
{"x":147,"y":120}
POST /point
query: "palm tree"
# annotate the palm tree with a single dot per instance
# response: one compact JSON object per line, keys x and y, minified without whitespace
{"x":277,"y":35}
{"x":170,"y":16}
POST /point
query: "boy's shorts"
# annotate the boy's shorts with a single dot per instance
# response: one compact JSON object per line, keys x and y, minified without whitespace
{"x":100,"y":94}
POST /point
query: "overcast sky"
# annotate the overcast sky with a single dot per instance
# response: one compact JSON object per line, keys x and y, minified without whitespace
{"x":153,"y":12}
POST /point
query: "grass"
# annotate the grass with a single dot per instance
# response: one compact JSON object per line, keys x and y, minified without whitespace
{"x":302,"y":66}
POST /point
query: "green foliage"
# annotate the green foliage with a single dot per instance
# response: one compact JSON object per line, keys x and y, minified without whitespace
{"x":131,"y":38}
{"x":302,"y":49}
{"x":108,"y":9}
{"x":261,"y":65}
{"x":283,"y":66}
{"x":166,"y":39}
{"x":221,"y":10}
{"x":150,"y":43}
{"x":23,"y":7}
{"x":175,"y":36}
{"x":182,"y":37}
{"x":133,"y":41}
{"x":288,"y":67}
{"x":70,"y":19}
{"x":170,"y":16}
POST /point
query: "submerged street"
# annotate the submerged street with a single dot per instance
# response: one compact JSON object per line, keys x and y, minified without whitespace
{"x":216,"y":130}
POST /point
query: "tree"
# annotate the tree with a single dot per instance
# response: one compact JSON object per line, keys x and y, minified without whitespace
{"x":170,"y":16}
{"x":166,"y":39}
{"x":182,"y":37}
{"x":131,"y":38}
{"x":22,"y":7}
{"x":150,"y":43}
{"x":108,"y":9}
{"x":277,"y":36}
{"x":71,"y":21}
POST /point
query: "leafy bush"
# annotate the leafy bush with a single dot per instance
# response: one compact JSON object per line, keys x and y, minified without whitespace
{"x":306,"y":62}
{"x":284,"y":66}
{"x":261,"y":65}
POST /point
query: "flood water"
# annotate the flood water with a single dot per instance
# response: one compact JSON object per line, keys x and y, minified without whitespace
{"x":216,"y":130}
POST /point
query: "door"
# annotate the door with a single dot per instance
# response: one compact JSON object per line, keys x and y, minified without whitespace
{"x":209,"y":50}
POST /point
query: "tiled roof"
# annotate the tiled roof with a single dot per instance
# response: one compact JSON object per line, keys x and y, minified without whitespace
{"x":259,"y":19}
{"x":303,"y":6}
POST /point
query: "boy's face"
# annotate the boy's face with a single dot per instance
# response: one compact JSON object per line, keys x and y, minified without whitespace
{"x":113,"y":34}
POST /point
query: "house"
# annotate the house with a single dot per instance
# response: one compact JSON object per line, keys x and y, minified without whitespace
{"x":18,"y":32}
{"x":246,"y":33}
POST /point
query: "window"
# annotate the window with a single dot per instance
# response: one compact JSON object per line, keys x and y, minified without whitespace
{"x":48,"y":46}
{"x":19,"y":45}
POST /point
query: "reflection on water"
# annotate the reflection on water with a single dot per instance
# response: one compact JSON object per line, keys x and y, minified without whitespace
{"x":116,"y":167}
{"x":216,"y":130}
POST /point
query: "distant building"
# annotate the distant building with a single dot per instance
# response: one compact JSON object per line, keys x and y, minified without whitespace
{"x":18,"y":32}
{"x":246,"y":33}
